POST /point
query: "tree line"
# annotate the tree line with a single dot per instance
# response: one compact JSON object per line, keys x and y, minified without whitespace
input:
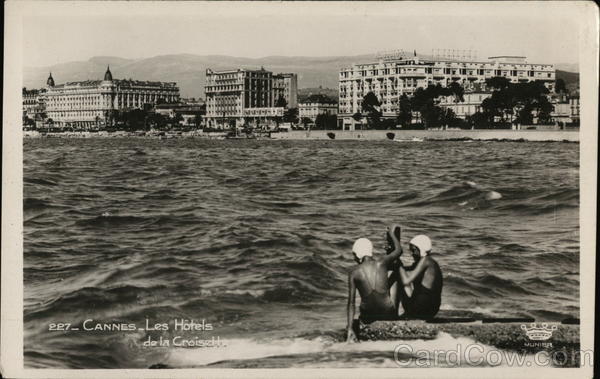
{"x":508,"y":104}
{"x":144,"y":119}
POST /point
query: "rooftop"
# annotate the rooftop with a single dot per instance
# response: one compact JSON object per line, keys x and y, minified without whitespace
{"x":402,"y":56}
{"x":118,"y":82}
{"x":211,"y":71}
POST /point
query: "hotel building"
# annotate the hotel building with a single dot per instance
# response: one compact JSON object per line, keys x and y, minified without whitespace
{"x":286,"y":86}
{"x":399,"y":72}
{"x":239,"y":97}
{"x":566,"y":110}
{"x":92,"y":103}
{"x":34,"y":103}
{"x":462,"y":109}
{"x":312,"y":109}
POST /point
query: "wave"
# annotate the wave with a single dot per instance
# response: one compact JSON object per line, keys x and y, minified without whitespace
{"x":407,"y":196}
{"x":107,"y":220}
{"x":57,"y":162}
{"x":315,"y":179}
{"x":90,"y":298}
{"x":538,"y":282}
{"x":556,"y":258}
{"x":277,"y":204}
{"x":116,"y":188}
{"x":160,"y":272}
{"x":31,"y":204}
{"x":323,"y":351}
{"x":502,"y":284}
{"x":468,"y":194}
{"x":163,"y":194}
{"x":485,"y":285}
{"x":512,"y":248}
{"x":541,"y":202}
{"x":564,"y":195}
{"x":535,"y":209}
{"x":545,"y":314}
{"x":39,"y":181}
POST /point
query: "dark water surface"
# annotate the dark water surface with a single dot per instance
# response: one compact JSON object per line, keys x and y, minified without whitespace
{"x":255,"y":238}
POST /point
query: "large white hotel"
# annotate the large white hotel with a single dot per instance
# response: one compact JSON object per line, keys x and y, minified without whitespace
{"x":90,"y":103}
{"x":400,"y":72}
{"x":239,"y":97}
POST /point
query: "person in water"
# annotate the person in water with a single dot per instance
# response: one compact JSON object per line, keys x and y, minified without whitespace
{"x":420,"y":285}
{"x":371,"y":280}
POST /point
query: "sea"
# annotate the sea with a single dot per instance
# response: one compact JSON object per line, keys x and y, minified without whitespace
{"x":247,"y":244}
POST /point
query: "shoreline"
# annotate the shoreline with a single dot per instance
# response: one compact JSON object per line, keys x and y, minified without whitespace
{"x":346,"y":135}
{"x":434,"y":135}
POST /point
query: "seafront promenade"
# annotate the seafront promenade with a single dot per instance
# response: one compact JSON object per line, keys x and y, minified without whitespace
{"x":400,"y":135}
{"x":366,"y":135}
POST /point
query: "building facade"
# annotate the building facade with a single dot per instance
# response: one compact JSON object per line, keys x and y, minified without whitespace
{"x":34,"y":103}
{"x":399,"y":72}
{"x":312,"y":109}
{"x":191,"y":113}
{"x":574,"y":105}
{"x":240,"y":97}
{"x":470,"y":105}
{"x":92,"y":103}
{"x":286,"y":86}
{"x":566,"y":110}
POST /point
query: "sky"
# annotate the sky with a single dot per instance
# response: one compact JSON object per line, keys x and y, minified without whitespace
{"x":545,"y":32}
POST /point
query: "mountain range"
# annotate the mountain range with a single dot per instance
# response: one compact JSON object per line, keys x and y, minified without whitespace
{"x":189,"y":70}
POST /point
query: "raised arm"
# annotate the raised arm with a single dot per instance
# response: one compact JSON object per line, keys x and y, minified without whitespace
{"x":397,"y":252}
{"x":350,"y":336}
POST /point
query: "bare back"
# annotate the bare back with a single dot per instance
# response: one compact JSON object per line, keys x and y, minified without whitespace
{"x":371,"y":276}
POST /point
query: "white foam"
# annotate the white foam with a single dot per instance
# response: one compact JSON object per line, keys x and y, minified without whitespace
{"x":253,"y":293}
{"x":244,"y":349}
{"x":236,"y":349}
{"x":493,"y":195}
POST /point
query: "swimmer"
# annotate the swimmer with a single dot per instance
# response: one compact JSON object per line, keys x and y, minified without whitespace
{"x":420,"y":285}
{"x":371,"y":280}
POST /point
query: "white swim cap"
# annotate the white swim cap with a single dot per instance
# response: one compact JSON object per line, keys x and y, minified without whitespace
{"x":423,"y":243}
{"x":362,"y":248}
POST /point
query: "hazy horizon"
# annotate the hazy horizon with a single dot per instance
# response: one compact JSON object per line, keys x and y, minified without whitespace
{"x":55,"y":33}
{"x":254,"y":58}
